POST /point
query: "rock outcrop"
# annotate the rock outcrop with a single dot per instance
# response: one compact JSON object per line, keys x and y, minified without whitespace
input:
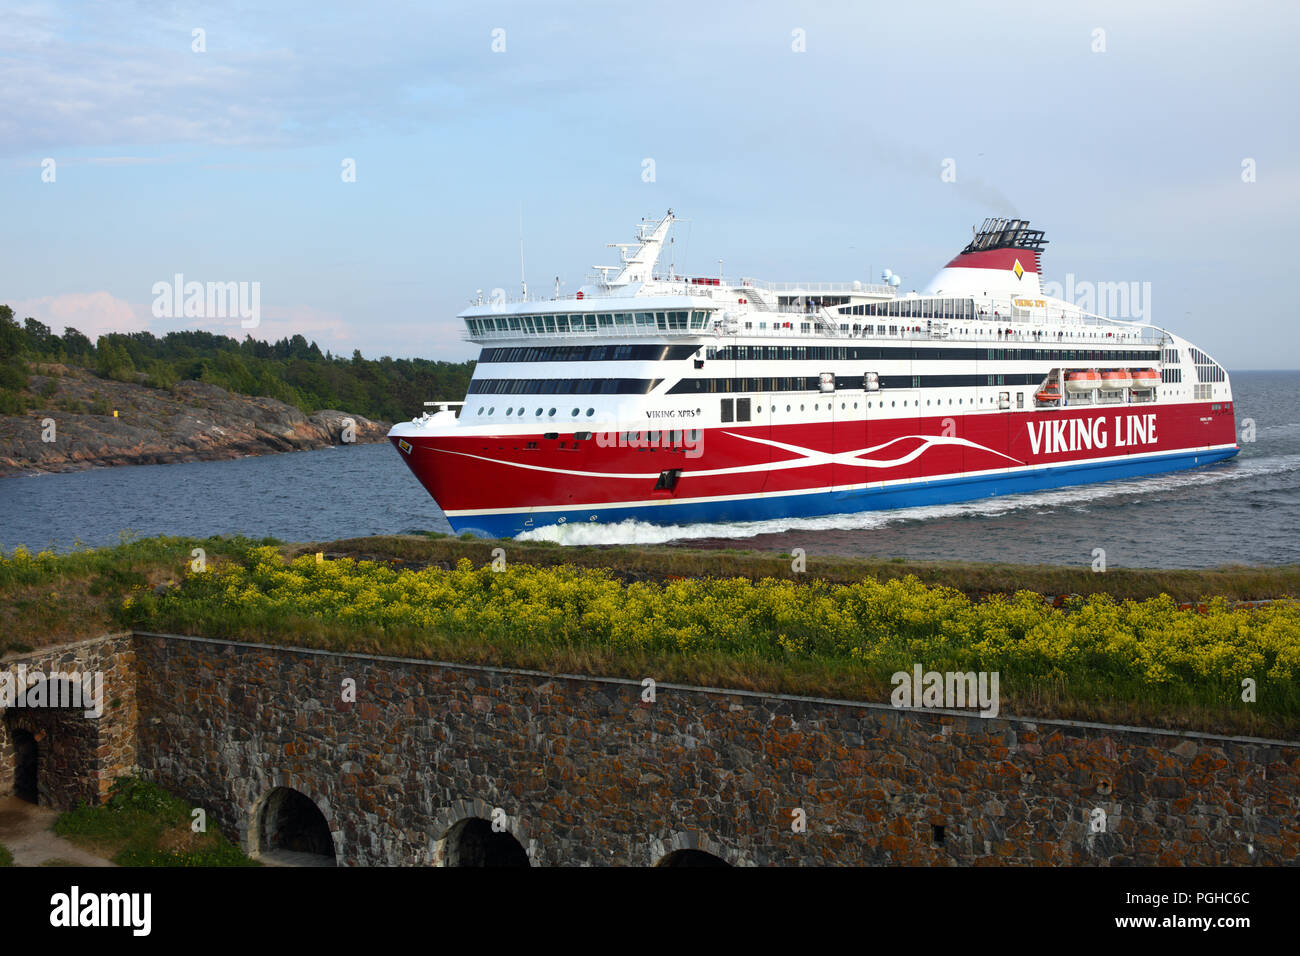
{"x":191,"y":422}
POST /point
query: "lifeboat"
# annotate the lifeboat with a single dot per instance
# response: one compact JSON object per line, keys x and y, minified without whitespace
{"x":1049,"y":394}
{"x":1145,"y":378}
{"x":1116,"y":379}
{"x":1084,"y":381}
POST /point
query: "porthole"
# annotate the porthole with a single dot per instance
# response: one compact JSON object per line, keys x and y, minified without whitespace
{"x":801,"y":408}
{"x":480,"y":409}
{"x":539,"y":413}
{"x":787,"y":408}
{"x":590,"y":412}
{"x":492,"y":410}
{"x":575,"y":413}
{"x":551,"y":413}
{"x":510,"y":411}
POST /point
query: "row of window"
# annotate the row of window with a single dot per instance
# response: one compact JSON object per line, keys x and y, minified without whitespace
{"x":740,"y":410}
{"x":588,"y":322}
{"x":492,"y":410}
{"x":1171,"y":376}
{"x":917,"y":309}
{"x":691,"y":386}
{"x":589,"y":353}
{"x":1207,"y":370}
{"x":753,"y":353}
{"x":563,"y":386}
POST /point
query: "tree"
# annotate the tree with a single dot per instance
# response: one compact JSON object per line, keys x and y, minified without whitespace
{"x":76,"y":345}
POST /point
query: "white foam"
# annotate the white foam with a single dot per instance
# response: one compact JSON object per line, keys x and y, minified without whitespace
{"x":1076,"y":497}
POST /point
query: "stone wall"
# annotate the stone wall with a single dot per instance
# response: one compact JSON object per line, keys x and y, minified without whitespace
{"x":588,"y":773}
{"x":77,"y":756}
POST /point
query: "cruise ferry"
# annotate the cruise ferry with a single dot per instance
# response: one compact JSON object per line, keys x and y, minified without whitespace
{"x":672,"y":399}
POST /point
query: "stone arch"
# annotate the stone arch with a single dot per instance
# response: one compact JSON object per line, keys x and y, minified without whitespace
{"x":291,"y":826}
{"x":473,"y":842}
{"x":55,"y":750}
{"x":465,"y":838}
{"x":692,"y":848}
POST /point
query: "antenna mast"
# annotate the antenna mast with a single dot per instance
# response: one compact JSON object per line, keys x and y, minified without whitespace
{"x":523,"y":283}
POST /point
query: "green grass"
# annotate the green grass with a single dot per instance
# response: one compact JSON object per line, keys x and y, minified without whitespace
{"x":1051,"y":664}
{"x":1132,"y":661}
{"x":54,"y":599}
{"x":6,"y":856}
{"x":144,"y":825}
{"x":666,"y":562}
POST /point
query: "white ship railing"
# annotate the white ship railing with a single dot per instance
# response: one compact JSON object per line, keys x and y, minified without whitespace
{"x":837,"y":288}
{"x":1144,"y":335}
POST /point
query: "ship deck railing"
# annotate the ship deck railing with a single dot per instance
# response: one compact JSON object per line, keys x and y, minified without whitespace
{"x":1143,"y":335}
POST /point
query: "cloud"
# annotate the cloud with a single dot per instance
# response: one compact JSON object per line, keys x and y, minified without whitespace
{"x":327,"y":329}
{"x":91,"y":313}
{"x":99,"y":313}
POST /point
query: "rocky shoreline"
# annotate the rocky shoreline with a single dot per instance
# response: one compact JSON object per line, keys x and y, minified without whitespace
{"x":192,"y":421}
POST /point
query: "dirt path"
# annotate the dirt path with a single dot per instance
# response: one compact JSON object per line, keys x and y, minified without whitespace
{"x":26,"y":830}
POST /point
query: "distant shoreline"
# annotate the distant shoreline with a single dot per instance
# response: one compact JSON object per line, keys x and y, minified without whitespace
{"x":73,"y":426}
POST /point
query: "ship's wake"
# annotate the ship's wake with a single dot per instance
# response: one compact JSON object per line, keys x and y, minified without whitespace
{"x":1075,"y":497}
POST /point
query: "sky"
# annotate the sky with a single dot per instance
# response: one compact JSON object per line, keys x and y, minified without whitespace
{"x":1156,"y":144}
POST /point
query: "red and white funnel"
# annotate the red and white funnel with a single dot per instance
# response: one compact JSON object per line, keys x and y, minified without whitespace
{"x":1002,"y":259}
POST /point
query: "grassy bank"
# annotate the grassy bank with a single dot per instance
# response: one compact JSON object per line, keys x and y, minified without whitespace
{"x":1119,"y":649}
{"x":666,"y":563}
{"x":54,"y":599}
{"x":144,"y":825}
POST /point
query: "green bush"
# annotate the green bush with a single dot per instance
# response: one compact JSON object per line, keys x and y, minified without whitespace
{"x":136,"y":817}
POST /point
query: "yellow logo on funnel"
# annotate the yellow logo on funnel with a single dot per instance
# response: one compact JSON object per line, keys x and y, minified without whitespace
{"x":1018,"y":269}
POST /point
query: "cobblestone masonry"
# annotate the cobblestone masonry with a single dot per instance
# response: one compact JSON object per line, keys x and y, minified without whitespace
{"x":588,"y":773}
{"x":79,"y":757}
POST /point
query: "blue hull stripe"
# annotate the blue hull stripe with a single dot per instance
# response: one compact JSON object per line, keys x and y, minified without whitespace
{"x":907,"y":495}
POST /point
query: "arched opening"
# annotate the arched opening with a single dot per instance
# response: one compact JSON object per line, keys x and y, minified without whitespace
{"x":26,"y":765}
{"x":293,"y":829}
{"x":691,"y":858}
{"x":473,"y":842}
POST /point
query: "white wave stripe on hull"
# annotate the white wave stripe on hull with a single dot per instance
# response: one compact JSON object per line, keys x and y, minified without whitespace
{"x":809,"y":458}
{"x":851,"y":457}
{"x":825,"y":489}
